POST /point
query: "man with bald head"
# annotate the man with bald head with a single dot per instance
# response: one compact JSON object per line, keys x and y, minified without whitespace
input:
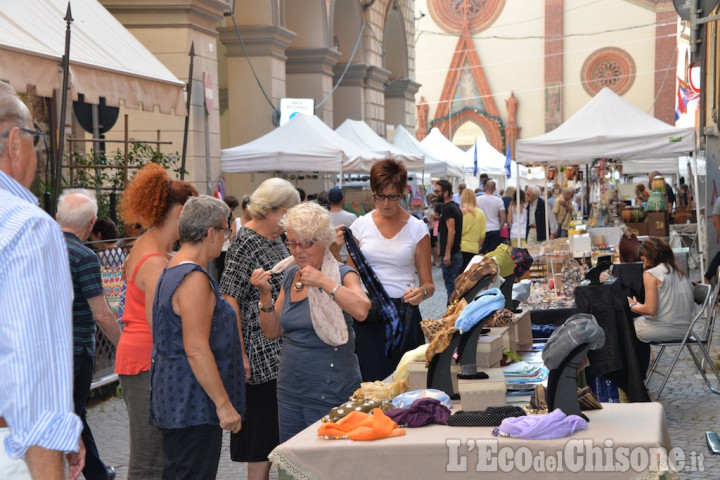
{"x":564,"y":210}
{"x":76,"y":214}
{"x":37,"y":423}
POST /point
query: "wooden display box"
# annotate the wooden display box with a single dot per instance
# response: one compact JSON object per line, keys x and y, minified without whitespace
{"x":417,"y":376}
{"x":523,"y":332}
{"x":658,"y":224}
{"x":508,"y":336}
{"x":639,"y":229}
{"x":489,"y":351}
{"x":480,"y":394}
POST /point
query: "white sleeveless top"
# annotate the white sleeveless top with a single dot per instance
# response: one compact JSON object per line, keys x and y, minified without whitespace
{"x":675,"y":308}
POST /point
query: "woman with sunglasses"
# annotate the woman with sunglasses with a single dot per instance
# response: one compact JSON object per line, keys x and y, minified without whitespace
{"x":257,"y":244}
{"x":197,"y":374}
{"x":397,"y":247}
{"x":317,"y":371}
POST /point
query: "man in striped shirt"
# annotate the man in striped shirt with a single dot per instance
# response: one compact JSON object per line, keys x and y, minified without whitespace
{"x":37,"y":422}
{"x":76,"y":214}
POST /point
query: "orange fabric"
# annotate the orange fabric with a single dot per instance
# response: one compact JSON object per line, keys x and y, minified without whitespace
{"x":362,"y":426}
{"x":134,"y":350}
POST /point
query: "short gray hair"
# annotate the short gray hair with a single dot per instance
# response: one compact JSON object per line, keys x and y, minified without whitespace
{"x":534,"y":190}
{"x":13,"y":112}
{"x":273,"y":193}
{"x":76,"y":207}
{"x":198,"y":215}
{"x":311,"y":222}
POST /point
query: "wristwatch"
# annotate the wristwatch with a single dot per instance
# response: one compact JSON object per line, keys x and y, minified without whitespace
{"x":267,"y":309}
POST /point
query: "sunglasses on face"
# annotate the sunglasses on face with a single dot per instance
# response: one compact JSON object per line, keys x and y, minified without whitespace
{"x":35,"y":133}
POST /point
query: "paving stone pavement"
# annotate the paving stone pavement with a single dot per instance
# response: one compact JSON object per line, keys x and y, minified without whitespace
{"x":690,"y":410}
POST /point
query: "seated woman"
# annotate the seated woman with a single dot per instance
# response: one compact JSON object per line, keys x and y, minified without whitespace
{"x":314,"y":375}
{"x":668,"y":306}
{"x":197,"y":374}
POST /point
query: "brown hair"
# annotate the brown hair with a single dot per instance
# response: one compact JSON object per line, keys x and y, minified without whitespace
{"x":388,"y":173}
{"x":150,"y":195}
{"x":656,"y":252}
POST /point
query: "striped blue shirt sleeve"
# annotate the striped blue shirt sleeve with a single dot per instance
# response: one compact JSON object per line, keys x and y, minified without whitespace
{"x":35,"y":334}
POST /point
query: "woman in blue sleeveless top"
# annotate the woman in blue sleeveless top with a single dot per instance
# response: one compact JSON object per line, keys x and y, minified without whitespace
{"x":313,"y":313}
{"x":197,"y":374}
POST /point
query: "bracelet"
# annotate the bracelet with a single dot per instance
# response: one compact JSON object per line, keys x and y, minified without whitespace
{"x":334,"y":291}
{"x":267,"y":309}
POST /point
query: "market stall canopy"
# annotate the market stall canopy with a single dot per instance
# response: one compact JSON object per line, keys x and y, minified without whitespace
{"x":105,"y":59}
{"x":434,"y":165}
{"x":606,"y":127}
{"x":492,"y":162}
{"x":360,"y":133}
{"x":437,"y":145}
{"x":302,"y":144}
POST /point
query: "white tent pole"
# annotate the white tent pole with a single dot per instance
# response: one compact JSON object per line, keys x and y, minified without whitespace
{"x":340,"y":181}
{"x":700,"y":238}
{"x":547,"y":207}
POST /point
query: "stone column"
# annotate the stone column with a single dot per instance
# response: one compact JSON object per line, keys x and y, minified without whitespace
{"x":553,"y":63}
{"x":167,"y":30}
{"x":310,"y":75}
{"x":249,"y":115}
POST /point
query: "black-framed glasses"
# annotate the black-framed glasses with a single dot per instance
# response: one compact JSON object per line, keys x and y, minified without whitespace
{"x":35,"y":133}
{"x":227,"y":231}
{"x":379,"y":197}
{"x":304,"y":245}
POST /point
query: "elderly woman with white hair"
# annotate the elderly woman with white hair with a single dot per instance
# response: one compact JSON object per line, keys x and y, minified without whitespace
{"x":197,"y":379}
{"x":257,"y":244}
{"x":313,"y":314}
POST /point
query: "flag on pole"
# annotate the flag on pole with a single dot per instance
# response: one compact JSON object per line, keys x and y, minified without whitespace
{"x":507,"y":161}
{"x":220,"y":190}
{"x":475,"y":169}
{"x":685,"y":95}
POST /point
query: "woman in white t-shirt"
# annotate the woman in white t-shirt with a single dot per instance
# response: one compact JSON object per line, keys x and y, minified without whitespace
{"x":668,"y":306}
{"x":397,"y":247}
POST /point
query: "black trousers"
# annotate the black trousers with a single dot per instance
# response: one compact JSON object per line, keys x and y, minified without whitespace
{"x":191,"y":453}
{"x":83,"y":366}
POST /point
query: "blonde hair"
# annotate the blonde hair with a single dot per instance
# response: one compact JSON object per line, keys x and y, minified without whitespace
{"x":468,"y":202}
{"x":310,"y":222}
{"x":273,"y":193}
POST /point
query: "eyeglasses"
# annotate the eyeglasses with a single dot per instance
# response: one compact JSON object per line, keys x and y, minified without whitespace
{"x":304,"y":245}
{"x":437,"y":192}
{"x":228,"y":231}
{"x":35,"y":133}
{"x":379,"y":197}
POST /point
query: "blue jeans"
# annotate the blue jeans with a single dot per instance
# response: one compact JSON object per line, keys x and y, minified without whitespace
{"x":451,"y":272}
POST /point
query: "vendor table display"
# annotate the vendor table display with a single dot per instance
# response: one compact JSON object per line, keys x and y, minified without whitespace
{"x":438,"y":451}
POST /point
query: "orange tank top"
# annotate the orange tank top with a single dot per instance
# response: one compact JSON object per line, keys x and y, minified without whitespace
{"x":134,"y":350}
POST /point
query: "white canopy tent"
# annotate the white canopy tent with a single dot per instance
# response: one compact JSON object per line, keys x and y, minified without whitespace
{"x":302,"y":144}
{"x":606,"y":127}
{"x":360,"y":133}
{"x":609,"y":127}
{"x":438,"y":146}
{"x":434,"y":165}
{"x":492,"y":162}
{"x":32,"y":43}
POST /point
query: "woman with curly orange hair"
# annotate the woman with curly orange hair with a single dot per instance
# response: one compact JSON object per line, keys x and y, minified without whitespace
{"x":153,"y":200}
